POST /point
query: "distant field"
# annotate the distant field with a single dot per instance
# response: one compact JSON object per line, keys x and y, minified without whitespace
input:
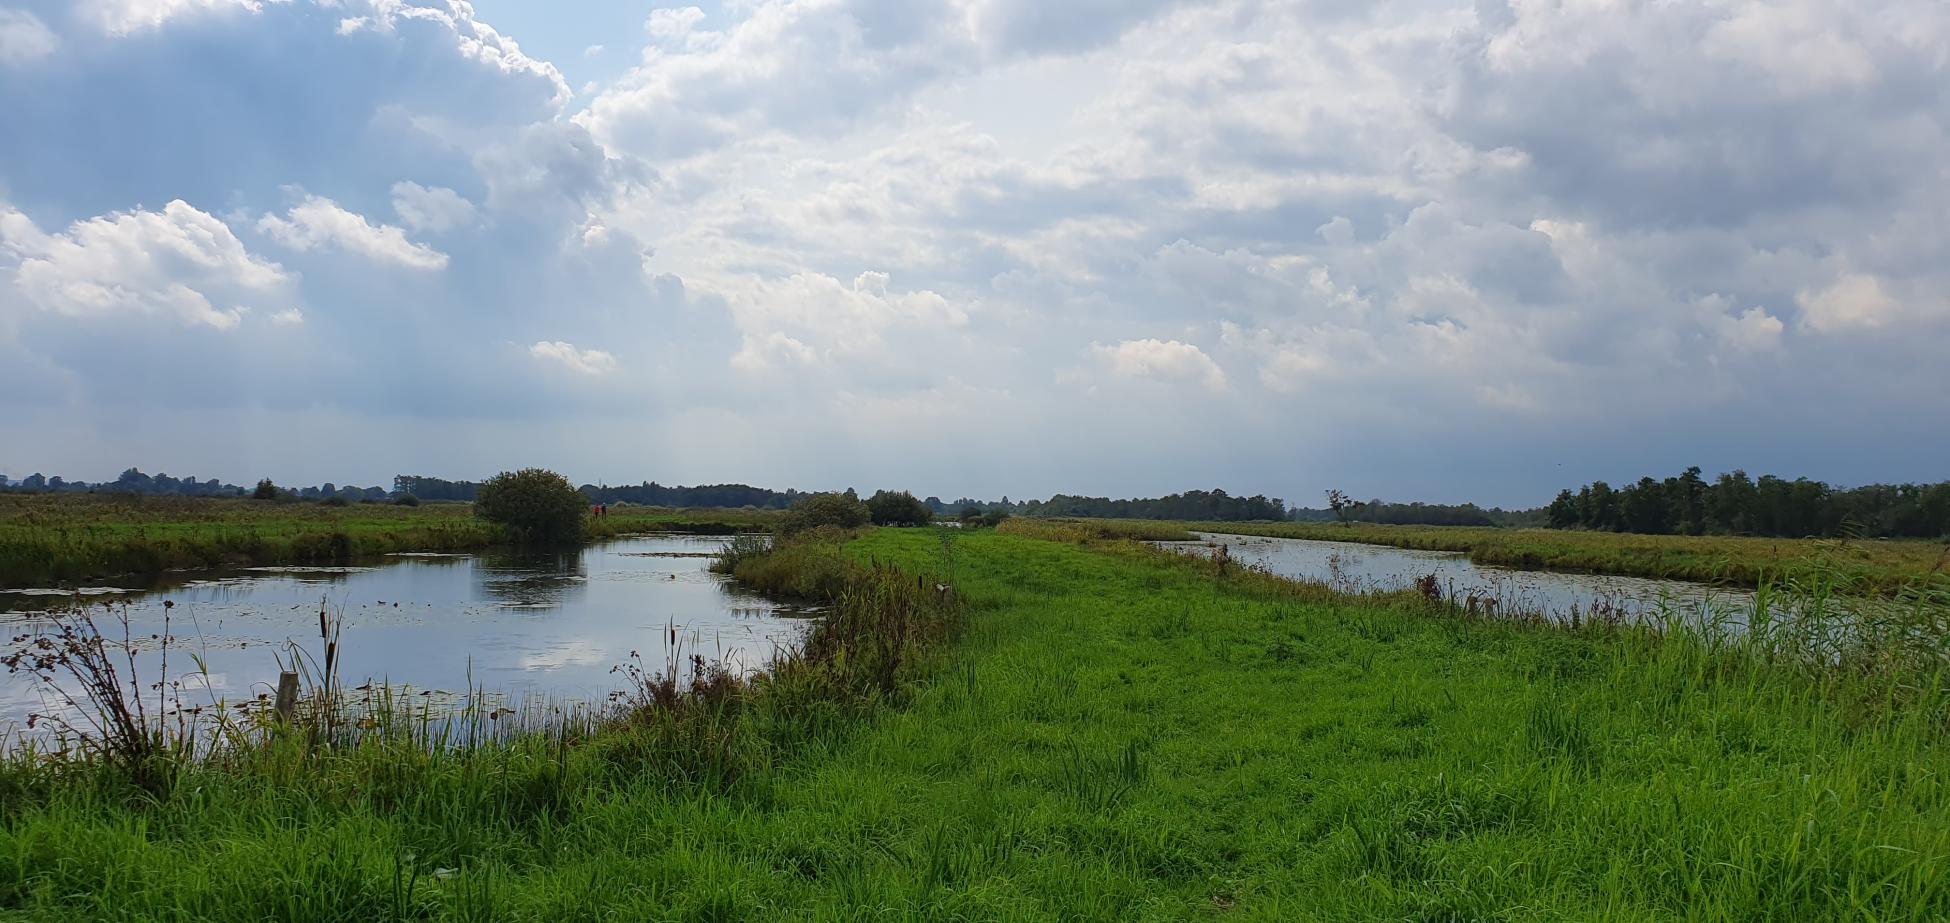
{"x":62,"y":538}
{"x":1862,"y":566}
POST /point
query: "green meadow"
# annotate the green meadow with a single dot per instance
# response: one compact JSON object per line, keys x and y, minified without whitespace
{"x":1078,"y":729}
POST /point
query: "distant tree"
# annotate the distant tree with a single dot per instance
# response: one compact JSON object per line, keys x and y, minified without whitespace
{"x":34,"y":482}
{"x":995,"y":517}
{"x":337,"y":500}
{"x":970,"y":513}
{"x":1564,"y":510}
{"x":536,"y":504}
{"x":843,"y":511}
{"x":265,"y":490}
{"x":888,"y":508}
{"x":406,"y":500}
{"x":1340,"y":504}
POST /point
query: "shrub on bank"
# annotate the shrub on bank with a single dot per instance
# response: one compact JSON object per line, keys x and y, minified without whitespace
{"x":898,"y":509}
{"x":535,"y":504}
{"x":841,"y":511}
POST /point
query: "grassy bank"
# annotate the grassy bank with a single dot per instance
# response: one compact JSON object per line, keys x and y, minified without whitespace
{"x":1876,"y":565}
{"x":1118,"y":735}
{"x":50,"y":539}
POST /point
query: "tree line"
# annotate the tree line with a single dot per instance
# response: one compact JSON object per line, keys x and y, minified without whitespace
{"x":1422,"y":514}
{"x":1735,"y":504}
{"x":133,"y":481}
{"x":1191,"y":506}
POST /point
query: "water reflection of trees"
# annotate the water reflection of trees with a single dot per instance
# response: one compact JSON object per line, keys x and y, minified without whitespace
{"x":529,"y":579}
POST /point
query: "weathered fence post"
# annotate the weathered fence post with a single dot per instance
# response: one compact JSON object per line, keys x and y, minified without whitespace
{"x":287,"y":701}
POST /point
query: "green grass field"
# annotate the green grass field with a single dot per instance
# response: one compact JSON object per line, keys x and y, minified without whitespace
{"x":48,"y":539}
{"x":1117,"y":734}
{"x":1875,"y":565}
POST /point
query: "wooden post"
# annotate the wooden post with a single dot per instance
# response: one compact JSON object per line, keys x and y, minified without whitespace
{"x":287,"y":701}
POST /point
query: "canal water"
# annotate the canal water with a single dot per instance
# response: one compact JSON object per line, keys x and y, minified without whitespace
{"x":1355,"y":567}
{"x":525,"y":626}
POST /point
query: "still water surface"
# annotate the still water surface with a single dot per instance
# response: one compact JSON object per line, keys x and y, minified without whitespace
{"x":1360,"y":568}
{"x":527,"y":625}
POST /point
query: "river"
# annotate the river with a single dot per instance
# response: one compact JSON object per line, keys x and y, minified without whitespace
{"x":1355,"y":567}
{"x":526,"y":626}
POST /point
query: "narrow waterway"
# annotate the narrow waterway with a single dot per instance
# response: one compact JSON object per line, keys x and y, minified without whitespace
{"x":525,"y":626}
{"x":1361,"y":568}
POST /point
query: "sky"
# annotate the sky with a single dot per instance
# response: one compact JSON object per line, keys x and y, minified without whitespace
{"x":1408,"y":249}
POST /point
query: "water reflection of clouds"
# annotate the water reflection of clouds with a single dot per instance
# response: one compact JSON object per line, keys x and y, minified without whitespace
{"x":522,"y":624}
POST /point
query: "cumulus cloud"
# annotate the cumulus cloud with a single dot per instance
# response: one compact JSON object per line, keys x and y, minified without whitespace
{"x":668,"y":24}
{"x":474,"y":39}
{"x":583,"y":361}
{"x":1853,"y":301}
{"x":24,"y":39}
{"x":1161,"y":360}
{"x":319,"y":222}
{"x":122,"y":17}
{"x":784,"y":66}
{"x":808,"y":317}
{"x":178,"y":262}
{"x":437,"y":209}
{"x":1467,"y":220}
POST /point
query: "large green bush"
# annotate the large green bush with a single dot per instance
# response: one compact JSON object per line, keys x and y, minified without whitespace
{"x":898,"y":509}
{"x":843,"y":511}
{"x":537,"y":505}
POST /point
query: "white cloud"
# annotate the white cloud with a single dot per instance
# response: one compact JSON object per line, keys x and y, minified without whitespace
{"x":319,"y":222}
{"x":584,"y":361}
{"x":173,"y":263}
{"x":474,"y":39}
{"x":435,"y":209}
{"x":809,"y":316}
{"x":24,"y":39}
{"x":1853,"y":301}
{"x":1423,"y":217}
{"x":670,"y":23}
{"x":1751,"y":331}
{"x":785,"y":66}
{"x":290,"y":317}
{"x":122,"y":17}
{"x":1161,"y":360}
